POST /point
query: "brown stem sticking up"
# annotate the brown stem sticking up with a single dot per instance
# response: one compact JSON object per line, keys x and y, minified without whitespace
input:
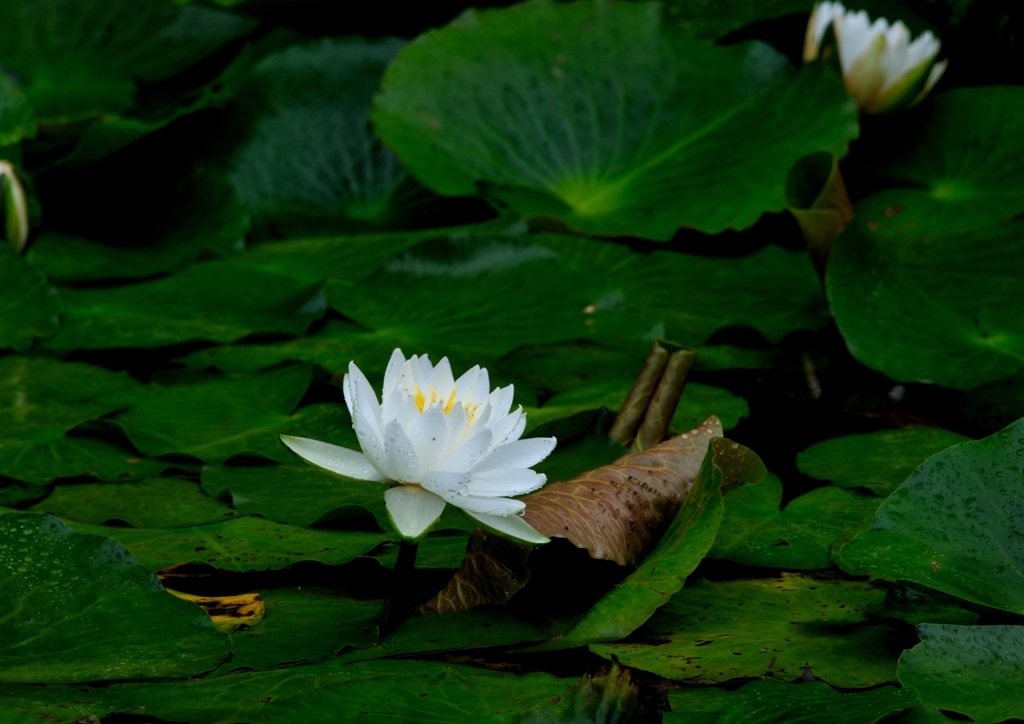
{"x":664,"y":401}
{"x":635,"y":406}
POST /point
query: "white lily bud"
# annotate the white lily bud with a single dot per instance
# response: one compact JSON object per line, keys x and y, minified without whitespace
{"x":883,"y":70}
{"x":15,"y":207}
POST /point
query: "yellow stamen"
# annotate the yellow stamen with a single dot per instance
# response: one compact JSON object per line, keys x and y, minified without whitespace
{"x":420,"y":398}
{"x":451,"y":402}
{"x":471,"y":409}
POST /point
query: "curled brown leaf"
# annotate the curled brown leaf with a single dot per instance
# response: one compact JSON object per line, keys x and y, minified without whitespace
{"x":619,"y":510}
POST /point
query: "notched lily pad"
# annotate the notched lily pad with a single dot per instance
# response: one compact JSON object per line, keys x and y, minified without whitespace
{"x":954,"y":524}
{"x":601,"y":116}
{"x":79,"y":607}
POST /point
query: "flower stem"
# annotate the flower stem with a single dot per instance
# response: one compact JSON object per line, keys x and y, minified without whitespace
{"x":400,"y":599}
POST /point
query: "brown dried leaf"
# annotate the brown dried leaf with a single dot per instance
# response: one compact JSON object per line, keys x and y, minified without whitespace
{"x":492,"y":571}
{"x":619,"y":511}
{"x":228,"y":613}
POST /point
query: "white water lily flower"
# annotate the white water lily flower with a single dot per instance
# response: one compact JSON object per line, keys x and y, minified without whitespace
{"x":437,"y":440}
{"x":882,"y":69}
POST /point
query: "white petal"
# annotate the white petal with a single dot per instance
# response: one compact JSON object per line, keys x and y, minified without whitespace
{"x":412,"y":510}
{"x":503,"y":428}
{"x":488,"y":505}
{"x":441,"y":379}
{"x":502,"y":482}
{"x":509,"y":526}
{"x":468,"y":384}
{"x":350,"y":396}
{"x":429,"y":435}
{"x":364,"y":400}
{"x":456,"y":422}
{"x":401,"y":456}
{"x":469,"y":452}
{"x":822,"y":16}
{"x":394,"y":407}
{"x":445,"y":483}
{"x":332,"y":459}
{"x":518,"y":454}
{"x":391,"y":373}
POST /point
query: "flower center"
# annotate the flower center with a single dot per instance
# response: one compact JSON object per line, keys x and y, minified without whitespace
{"x":421,"y":399}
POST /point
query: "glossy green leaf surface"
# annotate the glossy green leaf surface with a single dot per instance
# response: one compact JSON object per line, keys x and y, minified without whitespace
{"x":953,"y":525}
{"x":800,"y":536}
{"x":295,"y":494}
{"x":972,"y":670}
{"x":773,"y":702}
{"x":80,"y":59}
{"x":476,"y":628}
{"x":80,"y":608}
{"x":216,"y":418}
{"x":713,"y":19}
{"x":879,"y":461}
{"x":152,"y":503}
{"x":215,"y":301}
{"x":300,"y":148}
{"x":307,"y":623}
{"x":599,"y":116}
{"x":697,"y":404}
{"x":241,"y":544}
{"x":906,"y":297}
{"x":30,"y":305}
{"x":775,"y":627}
{"x":374,"y":690}
{"x":68,"y":457}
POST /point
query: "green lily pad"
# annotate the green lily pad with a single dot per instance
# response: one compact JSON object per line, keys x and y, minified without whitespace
{"x":215,"y":301}
{"x":302,"y":496}
{"x":206,"y":215}
{"x":241,"y":544}
{"x":776,"y":627}
{"x":475,"y":628}
{"x":908,"y":299}
{"x":153,"y":503}
{"x":308,"y":623}
{"x":773,"y":702}
{"x":80,"y":59}
{"x":69,"y":457}
{"x":564,"y":366}
{"x":295,"y":494}
{"x":697,"y":403}
{"x":879,"y":461}
{"x":43,"y":397}
{"x":756,"y":532}
{"x":16,"y":120}
{"x":332,"y":347}
{"x":31,"y":307}
{"x":605,"y":119}
{"x":475,"y":299}
{"x":712,"y":19}
{"x":80,"y":608}
{"x":953,"y":525}
{"x":299,"y":144}
{"x":219,"y":418}
{"x":420,"y":691}
{"x":973,"y":670}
